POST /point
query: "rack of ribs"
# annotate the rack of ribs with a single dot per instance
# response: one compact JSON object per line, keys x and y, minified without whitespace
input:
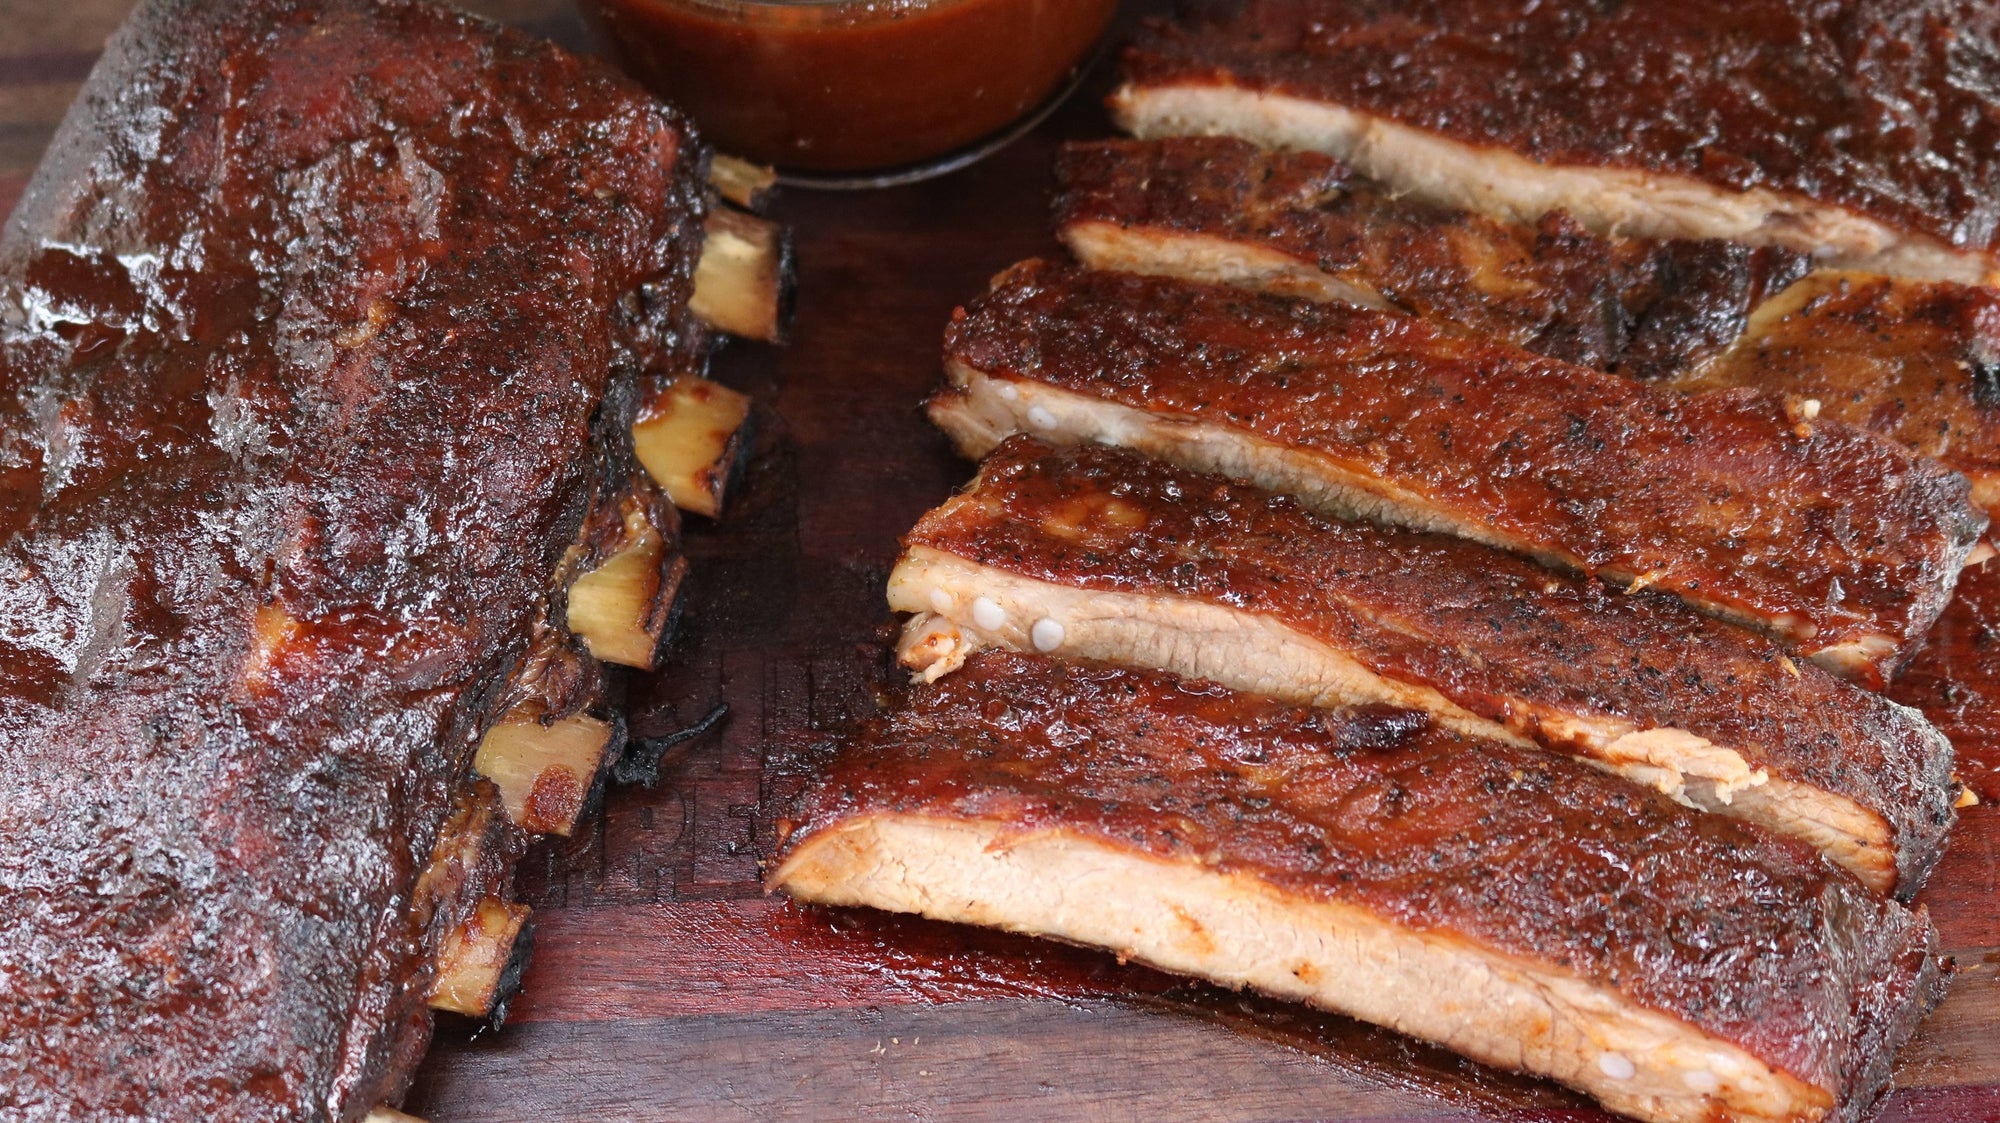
{"x":326,"y":325}
{"x":1841,"y":544}
{"x":1915,"y":361}
{"x":1522,"y":908}
{"x":1102,"y":554}
{"x":1863,"y":131}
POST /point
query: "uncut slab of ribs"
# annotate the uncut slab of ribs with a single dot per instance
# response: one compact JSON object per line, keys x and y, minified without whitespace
{"x":333,"y":335}
{"x":1436,"y":553}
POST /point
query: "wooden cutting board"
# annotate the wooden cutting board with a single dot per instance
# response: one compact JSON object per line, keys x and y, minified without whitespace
{"x":666,"y":986}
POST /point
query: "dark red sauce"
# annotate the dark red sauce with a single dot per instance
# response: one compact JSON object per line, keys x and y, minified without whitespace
{"x":840,"y":87}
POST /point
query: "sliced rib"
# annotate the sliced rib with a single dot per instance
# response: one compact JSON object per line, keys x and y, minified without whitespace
{"x":1864,"y":131}
{"x":1104,"y":554}
{"x":1834,"y":540}
{"x":1916,"y":361}
{"x":1224,"y":211}
{"x":1521,"y":908}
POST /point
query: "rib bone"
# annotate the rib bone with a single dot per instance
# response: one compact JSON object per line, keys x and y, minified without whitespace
{"x":690,"y":439}
{"x":546,"y":769}
{"x":478,"y":957}
{"x":621,"y":609}
{"x":740,"y":181}
{"x":743,"y":284}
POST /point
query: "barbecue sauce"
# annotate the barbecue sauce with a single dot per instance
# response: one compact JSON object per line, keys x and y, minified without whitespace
{"x":844,"y":87}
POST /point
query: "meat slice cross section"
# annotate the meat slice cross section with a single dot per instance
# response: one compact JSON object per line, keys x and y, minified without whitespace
{"x":1523,"y":909}
{"x":1915,"y":361}
{"x":1840,"y":543}
{"x":1866,"y":132}
{"x":1104,"y":554}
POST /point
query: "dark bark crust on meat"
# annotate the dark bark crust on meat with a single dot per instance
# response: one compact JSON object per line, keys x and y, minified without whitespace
{"x":1746,"y":937}
{"x":1838,"y":541}
{"x":321,"y":330}
{"x":1888,"y":108}
{"x":1915,"y":361}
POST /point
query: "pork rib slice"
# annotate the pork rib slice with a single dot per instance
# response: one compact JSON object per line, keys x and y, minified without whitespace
{"x":1862,"y":131}
{"x":322,"y":330}
{"x":1222,"y":210}
{"x":1915,"y":361}
{"x":1836,"y":541}
{"x":1103,"y":554}
{"x":1523,"y":909}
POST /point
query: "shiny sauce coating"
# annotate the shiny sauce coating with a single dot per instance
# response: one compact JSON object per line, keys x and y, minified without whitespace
{"x":1641,"y":307}
{"x":321,"y":328}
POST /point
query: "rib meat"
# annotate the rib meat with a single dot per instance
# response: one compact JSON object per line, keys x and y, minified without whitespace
{"x":1222,"y":210}
{"x":1103,"y":554}
{"x":1865,"y":131}
{"x":1521,"y":908}
{"x":1915,"y":361}
{"x":321,"y":337}
{"x":1841,"y":544}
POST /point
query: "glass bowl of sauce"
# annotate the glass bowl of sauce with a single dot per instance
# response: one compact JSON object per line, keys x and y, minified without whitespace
{"x":855,"y":92}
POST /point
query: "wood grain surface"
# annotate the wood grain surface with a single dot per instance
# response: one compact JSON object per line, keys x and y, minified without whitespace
{"x":666,"y":986}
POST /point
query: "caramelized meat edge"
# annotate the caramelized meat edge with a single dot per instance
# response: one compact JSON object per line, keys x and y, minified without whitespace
{"x":1222,"y":210}
{"x":1915,"y":361}
{"x":1860,"y":130}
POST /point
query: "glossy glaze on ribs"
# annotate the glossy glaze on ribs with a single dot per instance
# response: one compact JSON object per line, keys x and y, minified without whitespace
{"x":1420,"y":877}
{"x":1137,"y":562}
{"x":320,"y":328}
{"x":1916,"y":361}
{"x":1832,"y":539}
{"x":1223,"y":210}
{"x":1866,"y":129}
